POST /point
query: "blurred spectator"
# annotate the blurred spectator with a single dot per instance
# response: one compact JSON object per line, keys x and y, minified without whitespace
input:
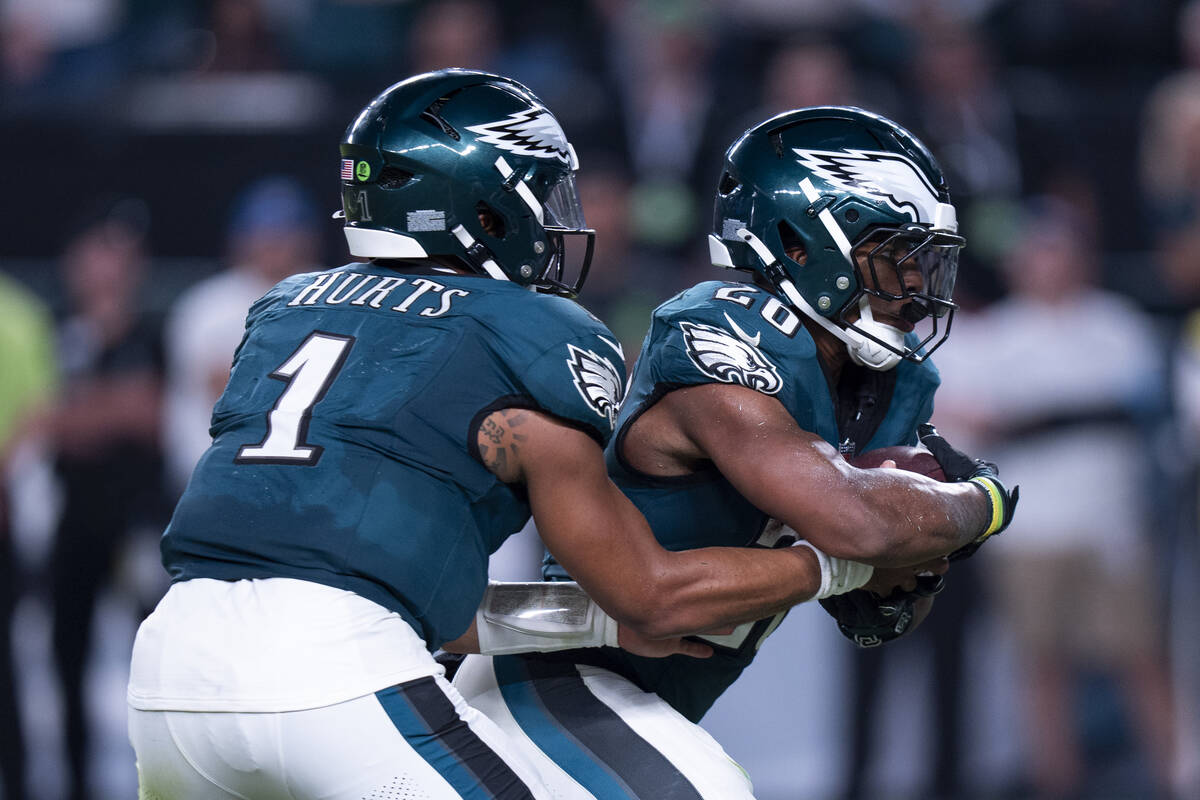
{"x":1186,"y":594}
{"x":271,"y":235}
{"x":962,"y":105}
{"x":57,"y":56}
{"x":104,"y":436}
{"x":1170,"y":169}
{"x":965,"y":114}
{"x":26,"y":380}
{"x":241,"y":38}
{"x":808,"y":74}
{"x":1073,"y":574}
{"x":661,"y":55}
{"x":813,"y":71}
{"x":1170,"y":181}
{"x":454,"y":33}
{"x":625,"y":282}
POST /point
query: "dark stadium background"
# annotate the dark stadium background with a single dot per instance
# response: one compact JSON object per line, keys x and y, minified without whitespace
{"x":173,"y":107}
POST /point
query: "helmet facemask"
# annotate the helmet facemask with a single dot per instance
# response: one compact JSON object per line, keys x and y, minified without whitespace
{"x":913,"y":270}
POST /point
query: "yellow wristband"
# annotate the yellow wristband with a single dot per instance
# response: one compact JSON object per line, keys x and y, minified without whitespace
{"x":995,"y":496}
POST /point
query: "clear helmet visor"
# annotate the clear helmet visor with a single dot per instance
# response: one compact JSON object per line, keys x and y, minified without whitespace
{"x":571,"y":242}
{"x":938,"y":262}
{"x":561,"y":207}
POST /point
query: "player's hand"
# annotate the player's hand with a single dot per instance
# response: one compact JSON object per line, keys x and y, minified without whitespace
{"x":958,"y":466}
{"x":639,"y":645}
{"x":869,"y":619}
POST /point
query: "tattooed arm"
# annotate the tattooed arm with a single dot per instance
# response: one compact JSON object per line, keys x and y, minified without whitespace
{"x":499,"y":440}
{"x":605,"y":543}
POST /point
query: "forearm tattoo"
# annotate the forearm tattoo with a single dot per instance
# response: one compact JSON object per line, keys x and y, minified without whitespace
{"x":500,"y":442}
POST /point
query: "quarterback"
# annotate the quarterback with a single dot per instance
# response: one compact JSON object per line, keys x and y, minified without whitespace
{"x":745,"y":404}
{"x":385,"y":426}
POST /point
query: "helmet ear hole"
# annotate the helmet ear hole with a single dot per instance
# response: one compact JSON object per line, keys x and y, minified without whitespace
{"x":728,"y":184}
{"x":491,"y":222}
{"x":793,"y":245}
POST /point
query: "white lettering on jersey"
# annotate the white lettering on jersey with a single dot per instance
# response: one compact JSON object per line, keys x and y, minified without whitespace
{"x":730,"y":359}
{"x":341,"y":294}
{"x":447,"y":296}
{"x":378,"y":293}
{"x":596,"y":380}
{"x":890,"y":177}
{"x":532,"y":132}
{"x":420,"y":287}
{"x":360,"y":290}
{"x":312,"y":293}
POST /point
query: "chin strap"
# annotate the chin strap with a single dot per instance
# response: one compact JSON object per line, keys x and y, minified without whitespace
{"x":869,"y":353}
{"x":863,"y":350}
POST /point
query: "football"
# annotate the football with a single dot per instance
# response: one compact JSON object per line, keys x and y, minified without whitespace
{"x":913,"y":459}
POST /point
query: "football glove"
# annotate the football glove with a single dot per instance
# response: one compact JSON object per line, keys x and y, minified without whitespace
{"x":958,"y":466}
{"x":869,"y":620}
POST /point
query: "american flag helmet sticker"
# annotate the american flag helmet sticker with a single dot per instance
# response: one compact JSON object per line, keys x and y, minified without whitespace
{"x":348,"y":169}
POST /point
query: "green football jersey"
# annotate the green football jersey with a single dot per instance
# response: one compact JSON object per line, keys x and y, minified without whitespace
{"x":728,"y":332}
{"x":344,"y":444}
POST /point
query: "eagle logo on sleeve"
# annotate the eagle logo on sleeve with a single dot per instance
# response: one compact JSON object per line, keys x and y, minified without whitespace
{"x":730,"y":359}
{"x":596,"y":380}
{"x":533,"y":132}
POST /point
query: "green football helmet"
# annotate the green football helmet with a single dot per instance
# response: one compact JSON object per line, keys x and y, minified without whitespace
{"x":866,"y":201}
{"x":431,"y":155}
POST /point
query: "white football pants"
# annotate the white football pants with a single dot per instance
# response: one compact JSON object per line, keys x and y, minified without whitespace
{"x":592,"y":733}
{"x":418,"y":740}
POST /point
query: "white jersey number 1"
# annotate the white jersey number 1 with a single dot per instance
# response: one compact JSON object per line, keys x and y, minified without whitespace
{"x":309,"y":372}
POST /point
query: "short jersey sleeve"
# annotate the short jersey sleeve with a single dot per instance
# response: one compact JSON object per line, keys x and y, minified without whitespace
{"x":716,"y":333}
{"x":735,"y":333}
{"x":580,"y":379}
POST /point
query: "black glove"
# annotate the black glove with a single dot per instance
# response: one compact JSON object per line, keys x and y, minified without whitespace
{"x":958,"y":466}
{"x":869,"y":620}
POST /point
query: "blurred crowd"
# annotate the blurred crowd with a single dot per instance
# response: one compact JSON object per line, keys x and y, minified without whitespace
{"x":166,"y":161}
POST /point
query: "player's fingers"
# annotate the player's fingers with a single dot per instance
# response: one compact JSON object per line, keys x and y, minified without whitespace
{"x":694,"y":649}
{"x":888,"y":463}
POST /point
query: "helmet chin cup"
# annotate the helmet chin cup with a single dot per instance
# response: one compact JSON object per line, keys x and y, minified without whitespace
{"x":870,"y":354}
{"x":864,"y":350}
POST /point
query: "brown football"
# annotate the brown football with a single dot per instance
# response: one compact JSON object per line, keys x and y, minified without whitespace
{"x":913,"y":459}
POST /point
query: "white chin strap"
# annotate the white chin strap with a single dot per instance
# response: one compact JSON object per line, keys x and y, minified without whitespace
{"x":863,"y":351}
{"x":869,"y":353}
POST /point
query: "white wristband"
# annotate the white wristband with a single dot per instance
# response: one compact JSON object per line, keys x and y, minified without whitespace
{"x":838,"y":575}
{"x":540,"y":617}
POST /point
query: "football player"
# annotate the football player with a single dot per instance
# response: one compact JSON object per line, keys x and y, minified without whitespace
{"x":385,"y":426}
{"x":745,"y":404}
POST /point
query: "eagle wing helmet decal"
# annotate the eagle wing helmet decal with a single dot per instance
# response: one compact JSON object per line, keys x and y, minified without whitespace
{"x":596,"y":380}
{"x":887,"y":176}
{"x":533,"y":132}
{"x":730,"y":359}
